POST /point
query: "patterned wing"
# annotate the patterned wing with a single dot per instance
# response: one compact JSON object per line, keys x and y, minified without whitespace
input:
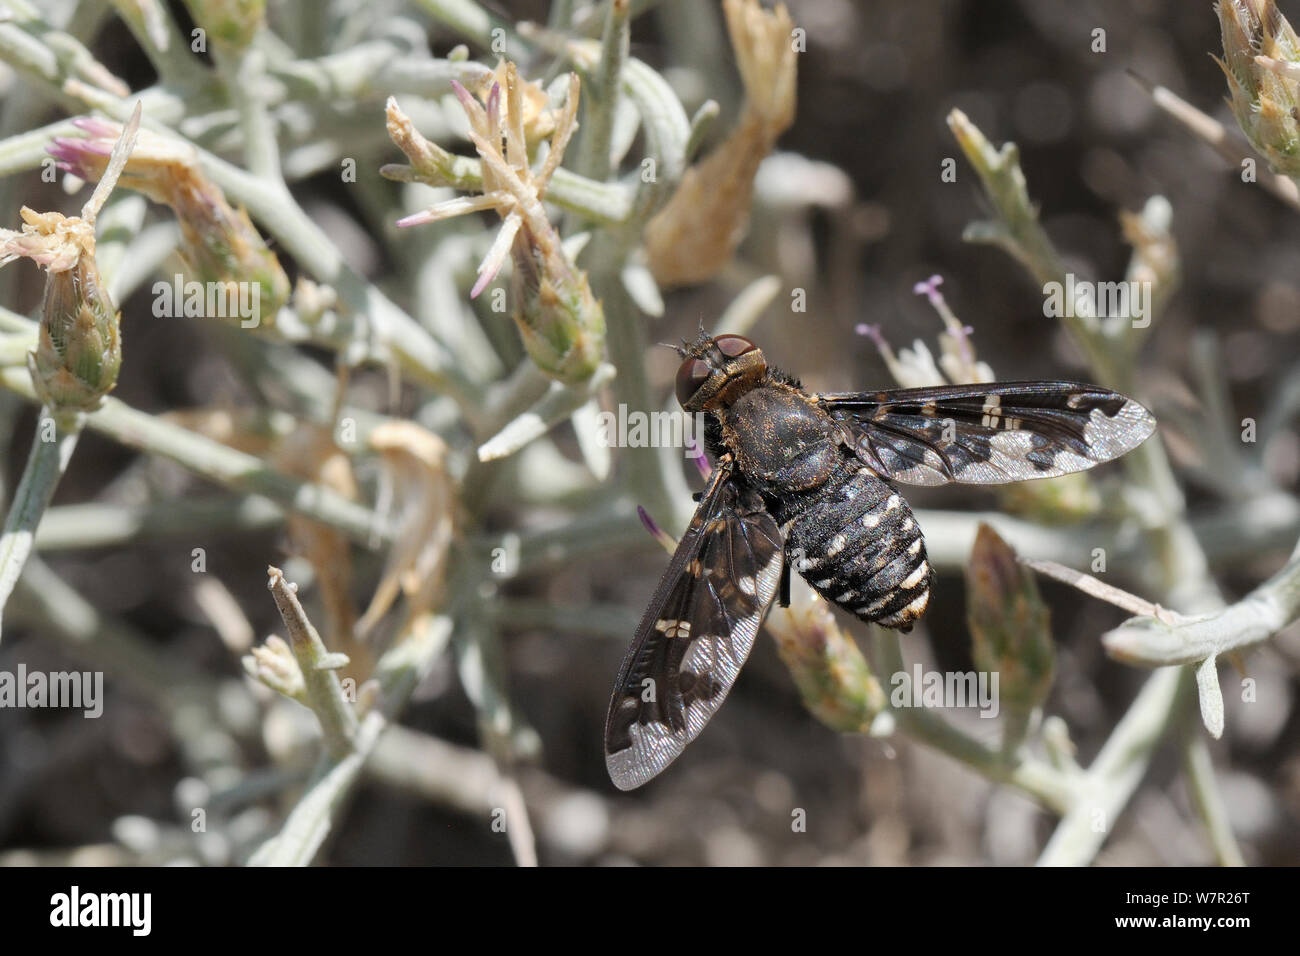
{"x":989,"y":433}
{"x":696,"y":633}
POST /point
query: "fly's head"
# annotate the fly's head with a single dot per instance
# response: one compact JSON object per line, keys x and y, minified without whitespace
{"x":717,"y":371}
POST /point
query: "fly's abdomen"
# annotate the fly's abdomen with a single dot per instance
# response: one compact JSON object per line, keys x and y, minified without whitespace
{"x":858,"y":545}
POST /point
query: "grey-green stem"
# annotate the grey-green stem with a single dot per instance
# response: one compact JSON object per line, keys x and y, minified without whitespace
{"x":52,"y":448}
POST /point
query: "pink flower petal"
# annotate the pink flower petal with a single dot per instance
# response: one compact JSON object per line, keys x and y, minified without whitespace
{"x":96,"y":126}
{"x":417,"y":219}
{"x":462,"y":94}
{"x":484,"y":279}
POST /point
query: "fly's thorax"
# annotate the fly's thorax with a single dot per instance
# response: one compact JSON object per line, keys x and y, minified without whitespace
{"x":780,"y":439}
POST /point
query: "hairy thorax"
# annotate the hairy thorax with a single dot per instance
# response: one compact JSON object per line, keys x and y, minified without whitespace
{"x":780,"y":439}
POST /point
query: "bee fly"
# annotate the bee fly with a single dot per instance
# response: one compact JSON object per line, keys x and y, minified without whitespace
{"x":807,"y":479}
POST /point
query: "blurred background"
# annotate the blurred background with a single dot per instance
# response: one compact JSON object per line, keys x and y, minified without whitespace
{"x":852,"y":208}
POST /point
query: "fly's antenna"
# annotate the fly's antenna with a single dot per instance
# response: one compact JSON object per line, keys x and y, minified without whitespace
{"x":679,"y":349}
{"x":701,"y":337}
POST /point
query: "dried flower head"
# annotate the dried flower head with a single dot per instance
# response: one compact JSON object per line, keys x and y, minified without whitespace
{"x":698,"y":230}
{"x":561,"y":323}
{"x":79,"y":353}
{"x":219,"y":243}
{"x":1260,"y":54}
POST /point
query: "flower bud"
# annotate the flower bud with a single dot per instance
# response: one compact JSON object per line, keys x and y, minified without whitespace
{"x":1010,"y":629}
{"x":1060,"y":500}
{"x":561,"y":323}
{"x":274,"y":664}
{"x":79,"y":354}
{"x":219,"y":243}
{"x":1263,"y":97}
{"x":231,"y":23}
{"x":430,"y":163}
{"x":834,"y":679}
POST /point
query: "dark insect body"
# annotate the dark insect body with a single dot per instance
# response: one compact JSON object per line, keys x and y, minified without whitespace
{"x":805,"y":481}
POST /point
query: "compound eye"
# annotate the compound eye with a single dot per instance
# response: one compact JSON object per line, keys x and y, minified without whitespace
{"x":733,"y":345}
{"x":690,"y":376}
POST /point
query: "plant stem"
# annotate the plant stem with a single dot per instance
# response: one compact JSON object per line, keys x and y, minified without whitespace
{"x":1199,"y":770}
{"x":155,"y":30}
{"x":314,"y":815}
{"x":98,"y":525}
{"x":1052,"y":787}
{"x":1118,"y":769}
{"x":625,"y":336}
{"x":1258,"y":616}
{"x":244,"y":73}
{"x":474,"y":23}
{"x":1228,"y":144}
{"x":324,"y":692}
{"x":1183,"y":569}
{"x":558,"y":403}
{"x":52,"y":447}
{"x":221,"y":463}
{"x":594,"y":161}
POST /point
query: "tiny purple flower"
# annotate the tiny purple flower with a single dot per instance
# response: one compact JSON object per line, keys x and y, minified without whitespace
{"x":872,"y":332}
{"x":930,"y":289}
{"x":656,"y":532}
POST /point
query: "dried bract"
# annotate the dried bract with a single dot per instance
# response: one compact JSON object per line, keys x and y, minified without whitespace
{"x":697,"y":232}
